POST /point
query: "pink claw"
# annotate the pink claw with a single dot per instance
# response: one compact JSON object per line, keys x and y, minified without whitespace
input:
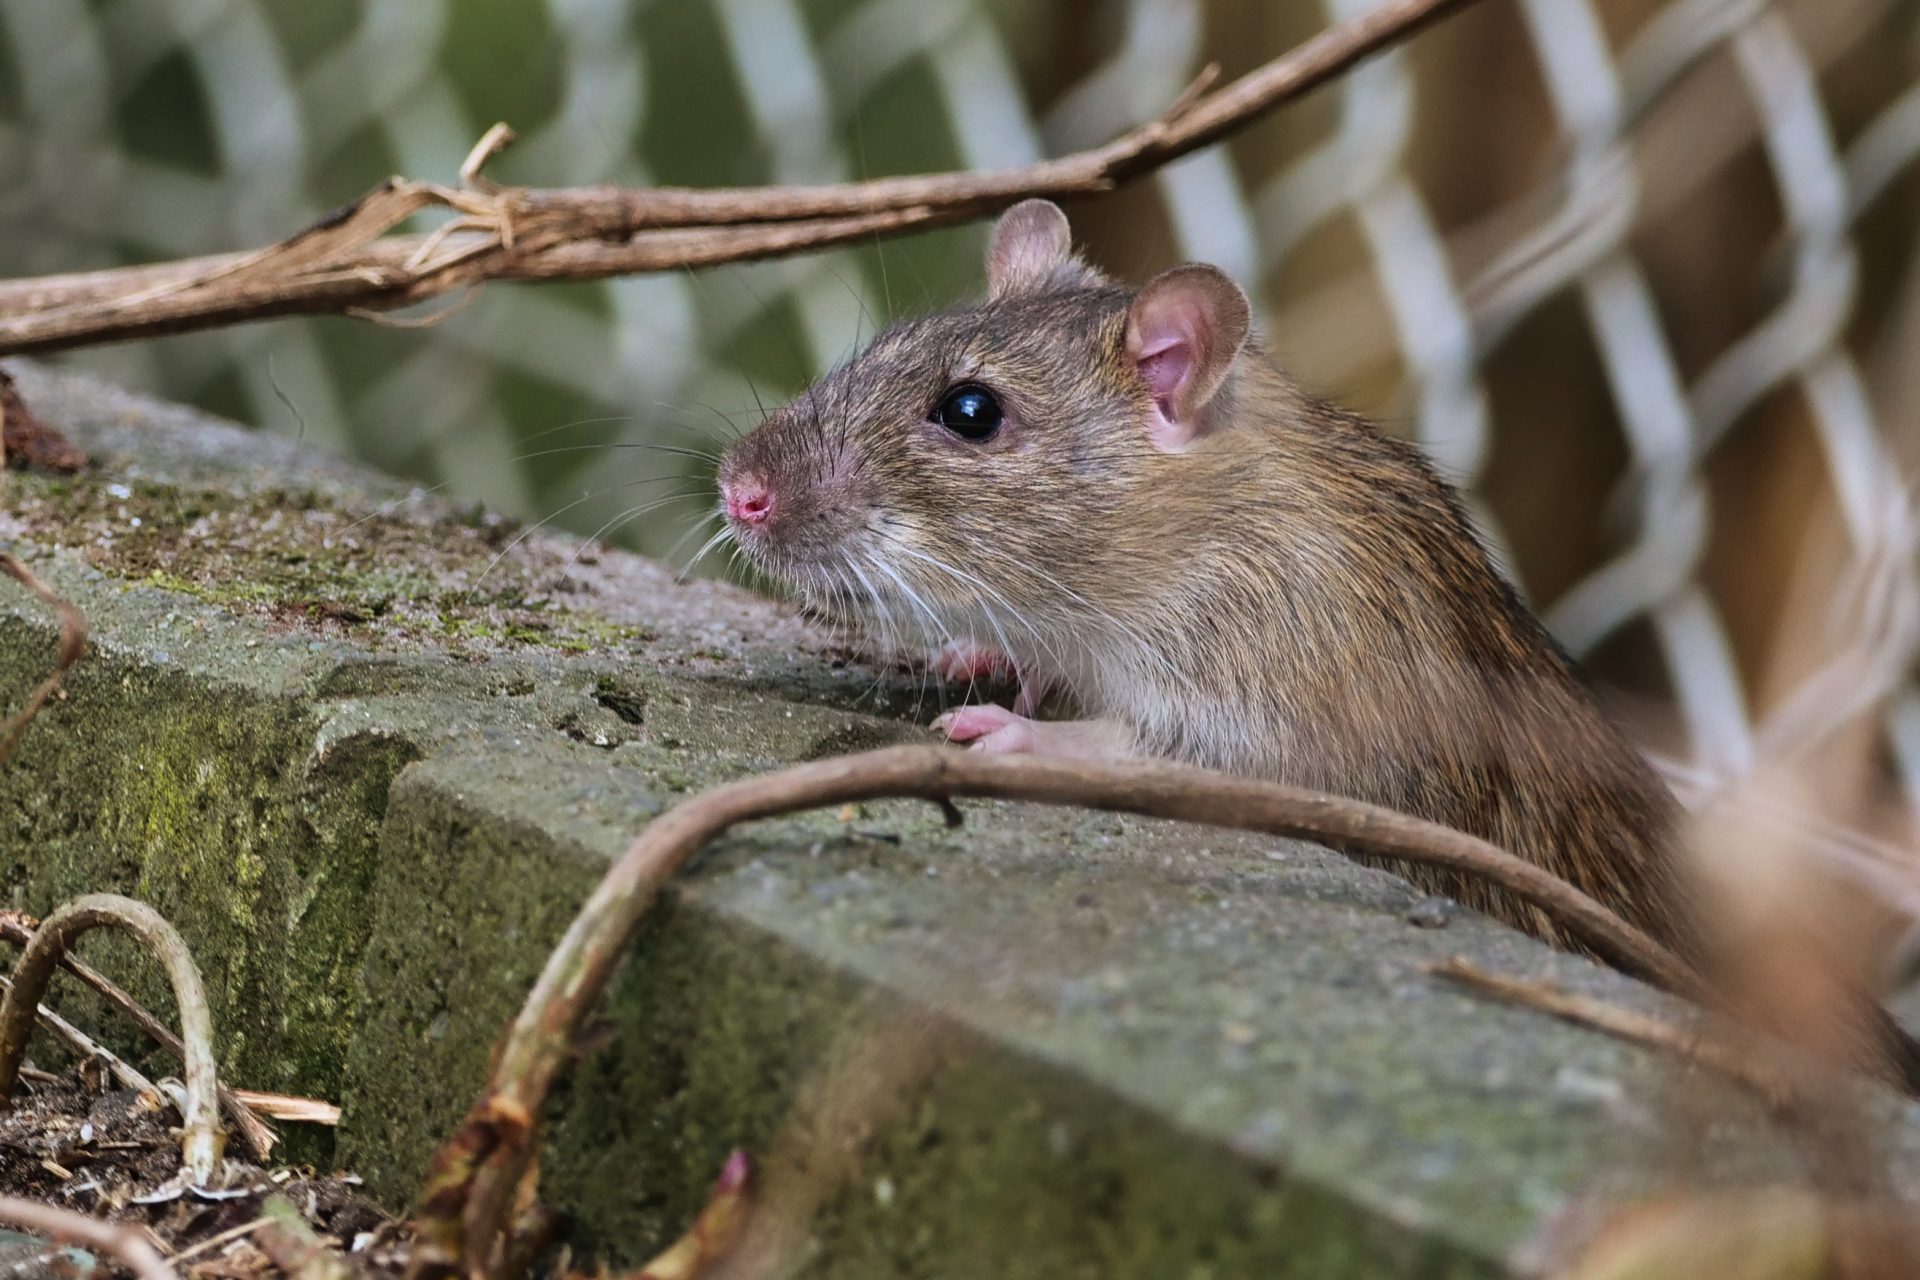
{"x":989,"y":728}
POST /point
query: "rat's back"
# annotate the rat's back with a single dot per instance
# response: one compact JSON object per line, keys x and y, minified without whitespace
{"x":1351,"y":634}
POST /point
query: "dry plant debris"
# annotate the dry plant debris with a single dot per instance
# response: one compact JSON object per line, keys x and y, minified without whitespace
{"x":18,"y":929}
{"x":27,"y":441}
{"x":74,"y":1142}
{"x":55,"y":1257}
{"x":202,"y":1139}
{"x":78,"y":1143}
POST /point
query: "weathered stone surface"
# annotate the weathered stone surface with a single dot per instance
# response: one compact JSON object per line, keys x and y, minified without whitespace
{"x":369,"y":752}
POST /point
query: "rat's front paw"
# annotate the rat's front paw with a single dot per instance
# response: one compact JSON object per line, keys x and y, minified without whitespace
{"x":963,"y":662}
{"x":990,"y":728}
{"x":1002,"y":732}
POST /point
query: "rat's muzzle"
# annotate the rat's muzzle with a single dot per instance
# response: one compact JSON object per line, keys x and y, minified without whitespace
{"x":791,"y":506}
{"x":749,"y":501}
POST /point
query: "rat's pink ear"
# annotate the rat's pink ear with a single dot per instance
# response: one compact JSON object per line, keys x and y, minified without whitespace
{"x":1183,"y":332}
{"x":1030,"y":242}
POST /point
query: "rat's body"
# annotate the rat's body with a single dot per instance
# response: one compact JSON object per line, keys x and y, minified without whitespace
{"x":1111,"y":489}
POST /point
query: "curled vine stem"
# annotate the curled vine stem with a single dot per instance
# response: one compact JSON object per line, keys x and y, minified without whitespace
{"x":73,"y":643}
{"x":473,"y":1180}
{"x":202,"y":1138}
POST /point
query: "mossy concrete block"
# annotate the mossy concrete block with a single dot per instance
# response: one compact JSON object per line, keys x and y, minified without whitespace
{"x":369,"y":752}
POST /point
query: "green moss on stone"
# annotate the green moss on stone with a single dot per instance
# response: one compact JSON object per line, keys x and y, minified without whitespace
{"x":900,"y":1144}
{"x":374,"y":574}
{"x":195,"y":796}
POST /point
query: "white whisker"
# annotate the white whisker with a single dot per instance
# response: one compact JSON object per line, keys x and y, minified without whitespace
{"x":530,"y":530}
{"x":992,"y":595}
{"x":938,"y":632}
{"x":693,"y":531}
{"x":721,"y":535}
{"x":1142,"y":646}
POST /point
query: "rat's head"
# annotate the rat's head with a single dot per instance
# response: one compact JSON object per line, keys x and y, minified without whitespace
{"x":964,"y":469}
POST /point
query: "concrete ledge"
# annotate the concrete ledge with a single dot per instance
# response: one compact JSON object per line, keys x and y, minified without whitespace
{"x":371,"y":777}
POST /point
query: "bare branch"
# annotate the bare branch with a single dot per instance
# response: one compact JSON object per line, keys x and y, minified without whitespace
{"x":1738,"y":1063}
{"x":348,"y":262}
{"x":473,"y":1179}
{"x":714,"y":1233}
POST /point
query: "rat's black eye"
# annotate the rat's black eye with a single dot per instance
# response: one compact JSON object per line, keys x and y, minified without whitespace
{"x":970,"y":412}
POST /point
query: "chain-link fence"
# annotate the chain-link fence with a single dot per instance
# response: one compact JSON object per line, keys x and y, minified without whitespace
{"x":1639,"y":273}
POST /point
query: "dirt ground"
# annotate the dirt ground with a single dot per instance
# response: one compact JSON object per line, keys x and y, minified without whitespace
{"x":78,"y":1141}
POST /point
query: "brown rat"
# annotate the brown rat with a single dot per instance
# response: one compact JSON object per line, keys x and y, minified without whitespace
{"x":1117,"y":490}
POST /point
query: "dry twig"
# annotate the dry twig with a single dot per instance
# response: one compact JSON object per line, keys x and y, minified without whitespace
{"x":474,"y":1177}
{"x":1737,"y":1063}
{"x":259,"y":1137}
{"x":349,"y":263}
{"x":286,"y":1106}
{"x":125,"y":1243}
{"x":202,"y":1138}
{"x":217,"y":1241}
{"x":73,"y":643}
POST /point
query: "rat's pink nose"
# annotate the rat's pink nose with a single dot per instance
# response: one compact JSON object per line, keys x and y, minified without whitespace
{"x":749,"y":501}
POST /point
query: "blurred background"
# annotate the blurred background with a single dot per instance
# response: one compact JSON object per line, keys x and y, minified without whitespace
{"x":1641,"y":274}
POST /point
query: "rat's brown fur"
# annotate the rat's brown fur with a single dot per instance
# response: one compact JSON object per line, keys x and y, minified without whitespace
{"x":1296,"y":595}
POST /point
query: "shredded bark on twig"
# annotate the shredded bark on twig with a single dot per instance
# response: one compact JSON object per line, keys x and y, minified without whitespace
{"x":285,"y":1106}
{"x":472,"y":1180}
{"x":18,"y":928}
{"x":349,"y":261}
{"x":27,"y":441}
{"x":73,"y":643}
{"x":1737,"y":1062}
{"x":127,"y":1244}
{"x":201,"y":1137}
